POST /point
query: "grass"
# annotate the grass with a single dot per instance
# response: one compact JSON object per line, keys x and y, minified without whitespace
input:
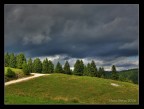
{"x":17,"y":71}
{"x":70,"y":89}
{"x":19,"y":74}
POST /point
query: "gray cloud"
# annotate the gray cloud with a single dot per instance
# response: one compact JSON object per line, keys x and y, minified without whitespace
{"x":78,"y":31}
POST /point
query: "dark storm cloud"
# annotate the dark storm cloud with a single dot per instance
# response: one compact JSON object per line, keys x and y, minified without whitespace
{"x":125,"y":65}
{"x":80,"y":31}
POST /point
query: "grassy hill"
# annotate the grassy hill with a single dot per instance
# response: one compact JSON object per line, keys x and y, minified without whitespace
{"x":71,"y":89}
{"x":19,"y":73}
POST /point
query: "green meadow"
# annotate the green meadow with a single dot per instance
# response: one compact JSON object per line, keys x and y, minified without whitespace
{"x":70,"y":89}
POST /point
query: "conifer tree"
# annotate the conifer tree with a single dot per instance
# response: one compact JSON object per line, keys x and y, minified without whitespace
{"x":58,"y":68}
{"x":20,"y":58}
{"x":67,"y":68}
{"x":30,"y":65}
{"x":37,"y":66}
{"x":12,"y":61}
{"x":78,"y":68}
{"x":25,"y":68}
{"x":50,"y":67}
{"x":45,"y":66}
{"x":103,"y":73}
{"x":6,"y":59}
{"x":114,"y":73}
{"x":93,"y":70}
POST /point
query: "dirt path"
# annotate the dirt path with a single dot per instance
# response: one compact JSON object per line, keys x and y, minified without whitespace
{"x":25,"y":79}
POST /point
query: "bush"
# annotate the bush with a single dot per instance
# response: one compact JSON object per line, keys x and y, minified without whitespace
{"x":10,"y":73}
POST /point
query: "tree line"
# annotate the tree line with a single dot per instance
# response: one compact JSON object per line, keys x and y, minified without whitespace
{"x":19,"y":61}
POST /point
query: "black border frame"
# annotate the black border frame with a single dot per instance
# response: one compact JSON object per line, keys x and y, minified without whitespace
{"x":141,"y":93}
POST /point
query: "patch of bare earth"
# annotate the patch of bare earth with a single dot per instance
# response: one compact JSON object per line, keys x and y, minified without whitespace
{"x":113,"y":84}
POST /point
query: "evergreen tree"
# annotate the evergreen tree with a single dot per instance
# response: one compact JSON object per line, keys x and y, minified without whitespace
{"x":100,"y":72}
{"x":85,"y":71}
{"x":78,"y":68}
{"x":45,"y":66}
{"x":30,"y":65}
{"x":50,"y":67}
{"x":20,"y":58}
{"x":6,"y":59}
{"x":82,"y":66}
{"x":93,"y":70}
{"x":37,"y":66}
{"x":25,"y":68}
{"x":58,"y":68}
{"x":88,"y":69}
{"x":12,"y":61}
{"x":71,"y":71}
{"x":67,"y":68}
{"x":114,"y":73}
{"x":103,"y":73}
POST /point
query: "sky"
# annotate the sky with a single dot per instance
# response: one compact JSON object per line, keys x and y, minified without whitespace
{"x":105,"y":33}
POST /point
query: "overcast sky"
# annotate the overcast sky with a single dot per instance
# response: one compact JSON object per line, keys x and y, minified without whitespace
{"x":107,"y":34}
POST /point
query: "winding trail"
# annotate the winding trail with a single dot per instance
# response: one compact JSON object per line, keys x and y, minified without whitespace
{"x":25,"y":79}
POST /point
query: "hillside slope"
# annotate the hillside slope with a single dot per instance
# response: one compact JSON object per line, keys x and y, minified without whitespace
{"x":69,"y":89}
{"x":130,"y":75}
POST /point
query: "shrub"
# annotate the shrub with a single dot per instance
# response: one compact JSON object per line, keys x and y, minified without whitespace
{"x":10,"y":73}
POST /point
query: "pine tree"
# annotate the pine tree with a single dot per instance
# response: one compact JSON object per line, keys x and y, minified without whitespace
{"x":67,"y":68}
{"x":6,"y":59}
{"x":78,"y":68}
{"x":45,"y":66}
{"x":37,"y":66}
{"x":93,"y":69}
{"x":103,"y":73}
{"x":20,"y":58}
{"x":100,"y":72}
{"x":114,"y":73}
{"x":12,"y":61}
{"x":25,"y":68}
{"x":58,"y":68}
{"x":71,"y":71}
{"x":85,"y":71}
{"x":88,"y":69}
{"x":82,"y":66}
{"x":50,"y":67}
{"x":30,"y":65}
